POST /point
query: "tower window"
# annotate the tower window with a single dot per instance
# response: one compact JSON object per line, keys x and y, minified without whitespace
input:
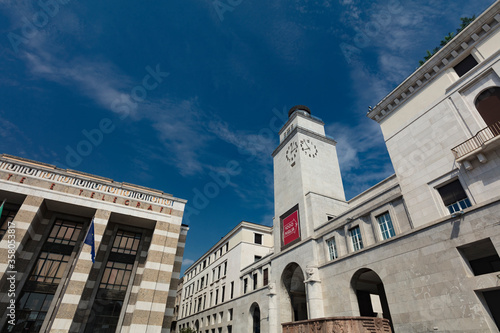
{"x":454,"y":197}
{"x":465,"y":65}
{"x":257,"y":238}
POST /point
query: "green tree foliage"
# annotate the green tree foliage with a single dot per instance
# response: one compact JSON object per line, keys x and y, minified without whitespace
{"x":187,"y":330}
{"x":465,"y":22}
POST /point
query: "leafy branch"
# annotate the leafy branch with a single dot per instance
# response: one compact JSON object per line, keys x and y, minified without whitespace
{"x":465,"y":22}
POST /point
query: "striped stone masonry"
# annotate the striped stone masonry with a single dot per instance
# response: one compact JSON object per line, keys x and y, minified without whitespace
{"x":153,"y":292}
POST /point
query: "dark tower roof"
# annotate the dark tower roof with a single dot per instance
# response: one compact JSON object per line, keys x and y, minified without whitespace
{"x":300,"y":108}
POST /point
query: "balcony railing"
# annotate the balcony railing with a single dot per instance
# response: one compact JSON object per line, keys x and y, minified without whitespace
{"x":339,"y":324}
{"x":477,"y":141}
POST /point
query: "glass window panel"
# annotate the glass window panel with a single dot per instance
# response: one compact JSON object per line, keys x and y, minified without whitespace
{"x":112,"y":276}
{"x":116,"y":276}
{"x":332,"y":248}
{"x":386,"y":227}
{"x":8,"y":214}
{"x":126,"y":242}
{"x":65,"y":232}
{"x":49,"y":267}
{"x":356,"y":240}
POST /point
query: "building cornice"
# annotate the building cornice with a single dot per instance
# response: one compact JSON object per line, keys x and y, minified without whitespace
{"x":448,"y":56}
{"x":69,"y":177}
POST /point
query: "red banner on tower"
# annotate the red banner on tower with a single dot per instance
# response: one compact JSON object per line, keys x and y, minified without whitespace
{"x":291,"y":229}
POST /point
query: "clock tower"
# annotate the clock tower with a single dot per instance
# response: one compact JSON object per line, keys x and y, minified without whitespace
{"x":307,"y":183}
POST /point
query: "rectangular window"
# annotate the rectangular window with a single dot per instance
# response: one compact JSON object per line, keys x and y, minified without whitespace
{"x":454,"y":197}
{"x":357,"y":242}
{"x":230,"y":316}
{"x":258,"y":238}
{"x":49,"y":267}
{"x":255,"y":281}
{"x":492,"y":299}
{"x":386,"y":227}
{"x":257,"y":258}
{"x":332,"y":248}
{"x":115,"y":281}
{"x":481,"y":256}
{"x":225,"y":268}
{"x":465,"y":65}
{"x":64,"y":232}
{"x":245,"y":285}
{"x":33,"y":306}
{"x":8,"y":213}
{"x":232,"y":290}
{"x":266,"y":276}
{"x":229,"y":329}
{"x":116,"y":276}
{"x":126,"y":242}
{"x":47,"y":273}
{"x":223,"y":292}
{"x":216,"y":296}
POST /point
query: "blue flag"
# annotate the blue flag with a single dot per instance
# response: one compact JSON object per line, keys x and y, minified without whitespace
{"x":89,"y":240}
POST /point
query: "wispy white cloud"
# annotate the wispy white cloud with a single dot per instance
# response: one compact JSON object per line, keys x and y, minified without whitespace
{"x":257,"y":145}
{"x":362,"y":154}
{"x":175,"y":120}
{"x":187,"y":262}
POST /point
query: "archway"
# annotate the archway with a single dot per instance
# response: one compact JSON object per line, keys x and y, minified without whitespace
{"x":293,"y":282}
{"x":370,"y":294}
{"x":255,"y":317}
{"x":488,"y":106}
{"x":197,"y":326}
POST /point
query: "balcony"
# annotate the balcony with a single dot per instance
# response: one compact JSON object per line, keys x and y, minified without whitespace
{"x":479,"y":143}
{"x":339,"y":324}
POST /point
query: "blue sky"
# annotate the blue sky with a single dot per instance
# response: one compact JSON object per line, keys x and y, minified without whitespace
{"x":175,"y":95}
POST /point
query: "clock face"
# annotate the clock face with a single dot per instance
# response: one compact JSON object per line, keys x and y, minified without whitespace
{"x":291,"y":151}
{"x":308,"y":147}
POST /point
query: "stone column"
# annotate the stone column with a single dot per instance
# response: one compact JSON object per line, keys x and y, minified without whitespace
{"x":314,"y":294}
{"x":273,"y":309}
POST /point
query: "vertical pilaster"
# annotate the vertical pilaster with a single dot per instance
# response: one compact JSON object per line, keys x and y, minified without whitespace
{"x":314,"y":294}
{"x":172,"y":294}
{"x":154,"y":289}
{"x":273,"y":309}
{"x":27,"y":226}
